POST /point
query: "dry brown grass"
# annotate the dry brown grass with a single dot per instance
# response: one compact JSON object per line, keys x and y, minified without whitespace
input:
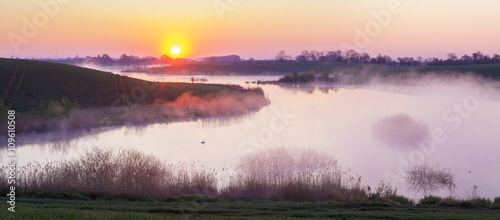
{"x":277,"y":174}
{"x":126,"y":171}
{"x":291,"y":174}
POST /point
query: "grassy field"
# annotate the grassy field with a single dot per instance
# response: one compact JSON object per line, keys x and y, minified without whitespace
{"x":197,"y":207}
{"x":36,"y":82}
{"x":320,"y":67}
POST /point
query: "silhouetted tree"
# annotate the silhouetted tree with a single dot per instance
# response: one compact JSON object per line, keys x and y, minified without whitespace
{"x":127,"y":60}
{"x":301,"y":58}
{"x":315,"y":55}
{"x":352,"y":56}
{"x":282,"y":57}
{"x":165,"y":59}
{"x":364,"y":58}
{"x":105,"y":59}
{"x":496,"y":58}
{"x":426,"y":178}
{"x":452,"y":56}
{"x":477,"y":56}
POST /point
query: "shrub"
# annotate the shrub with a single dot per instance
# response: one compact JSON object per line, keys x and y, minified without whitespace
{"x":62,"y":108}
{"x":482,"y":202}
{"x":497,"y":200}
{"x":430,"y":200}
{"x":385,"y":193}
{"x":426,"y":178}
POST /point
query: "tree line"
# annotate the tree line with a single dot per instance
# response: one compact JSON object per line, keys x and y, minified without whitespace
{"x":124,"y":60}
{"x":352,"y":56}
{"x":347,"y":56}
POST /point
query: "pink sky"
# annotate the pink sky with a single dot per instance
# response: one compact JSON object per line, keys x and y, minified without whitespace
{"x":257,"y":28}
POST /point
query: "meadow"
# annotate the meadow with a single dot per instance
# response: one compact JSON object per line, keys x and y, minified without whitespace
{"x":202,"y":207}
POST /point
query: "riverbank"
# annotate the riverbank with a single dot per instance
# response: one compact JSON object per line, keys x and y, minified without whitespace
{"x":51,"y":96}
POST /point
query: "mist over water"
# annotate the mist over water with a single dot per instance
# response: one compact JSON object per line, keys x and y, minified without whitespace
{"x":451,"y":120}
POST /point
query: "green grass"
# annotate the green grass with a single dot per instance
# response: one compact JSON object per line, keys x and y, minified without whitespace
{"x":44,"y":81}
{"x":196,"y":207}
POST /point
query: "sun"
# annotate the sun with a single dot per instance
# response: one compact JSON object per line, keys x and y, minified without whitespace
{"x":176,"y":50}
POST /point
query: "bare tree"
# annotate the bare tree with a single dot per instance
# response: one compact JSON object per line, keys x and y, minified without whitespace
{"x":420,"y":59}
{"x":426,"y":178}
{"x":352,"y":56}
{"x":306,"y":54}
{"x":452,"y":56}
{"x":281,"y":56}
{"x":477,"y":56}
{"x":315,"y":55}
{"x":364,"y":58}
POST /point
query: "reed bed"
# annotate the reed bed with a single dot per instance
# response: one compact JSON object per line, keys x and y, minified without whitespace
{"x":104,"y":172}
{"x":291,"y":174}
{"x":276,"y":174}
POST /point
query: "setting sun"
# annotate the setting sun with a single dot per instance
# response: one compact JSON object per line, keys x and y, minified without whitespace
{"x":176,"y":50}
{"x":176,"y":45}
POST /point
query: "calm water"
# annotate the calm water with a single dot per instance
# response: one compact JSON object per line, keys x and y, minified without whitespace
{"x":334,"y":120}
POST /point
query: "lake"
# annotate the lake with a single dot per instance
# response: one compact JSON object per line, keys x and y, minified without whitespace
{"x":462,"y":119}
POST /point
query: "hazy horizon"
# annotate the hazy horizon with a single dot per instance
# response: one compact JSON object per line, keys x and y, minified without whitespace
{"x":251,"y":29}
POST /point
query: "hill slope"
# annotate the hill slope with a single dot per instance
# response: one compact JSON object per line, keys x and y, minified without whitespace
{"x":25,"y":84}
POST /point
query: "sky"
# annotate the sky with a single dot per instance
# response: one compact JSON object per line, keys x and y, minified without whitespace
{"x":252,"y":29}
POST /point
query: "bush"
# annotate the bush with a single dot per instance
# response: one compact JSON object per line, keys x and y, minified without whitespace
{"x":482,"y":202}
{"x":427,"y":178}
{"x":385,"y":193}
{"x":62,"y":108}
{"x":305,"y":77}
{"x":402,"y":200}
{"x":430,"y":200}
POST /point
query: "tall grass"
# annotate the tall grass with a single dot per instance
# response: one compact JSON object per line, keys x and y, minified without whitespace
{"x":124,"y":172}
{"x":274,"y":174}
{"x":290,"y":174}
